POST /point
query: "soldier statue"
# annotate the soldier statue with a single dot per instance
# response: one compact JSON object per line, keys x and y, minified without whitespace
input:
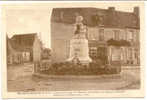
{"x":80,"y":28}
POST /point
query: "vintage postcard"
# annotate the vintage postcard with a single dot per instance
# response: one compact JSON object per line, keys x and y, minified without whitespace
{"x":72,"y":49}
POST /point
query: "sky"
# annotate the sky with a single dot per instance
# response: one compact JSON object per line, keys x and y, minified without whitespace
{"x":33,"y":19}
{"x":22,"y":21}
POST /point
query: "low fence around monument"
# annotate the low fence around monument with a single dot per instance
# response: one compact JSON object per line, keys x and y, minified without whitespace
{"x":42,"y":65}
{"x":67,"y":68}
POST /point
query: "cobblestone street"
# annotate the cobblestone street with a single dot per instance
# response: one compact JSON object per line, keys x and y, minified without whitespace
{"x":20,"y":78}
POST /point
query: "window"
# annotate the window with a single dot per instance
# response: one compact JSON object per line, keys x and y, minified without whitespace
{"x":135,"y":37}
{"x":135,"y":54}
{"x":116,"y":34}
{"x":130,"y":53}
{"x":101,"y":34}
{"x":130,"y":35}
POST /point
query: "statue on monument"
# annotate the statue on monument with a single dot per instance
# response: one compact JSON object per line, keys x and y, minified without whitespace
{"x":80,"y":28}
{"x":79,"y":50}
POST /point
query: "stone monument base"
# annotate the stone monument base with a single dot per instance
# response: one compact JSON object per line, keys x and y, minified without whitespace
{"x":79,"y":51}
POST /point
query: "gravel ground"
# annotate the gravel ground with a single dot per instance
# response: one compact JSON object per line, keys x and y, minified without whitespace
{"x":20,"y":78}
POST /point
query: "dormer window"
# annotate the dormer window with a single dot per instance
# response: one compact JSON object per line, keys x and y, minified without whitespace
{"x":98,"y":19}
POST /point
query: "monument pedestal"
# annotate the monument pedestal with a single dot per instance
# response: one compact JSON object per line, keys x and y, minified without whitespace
{"x":79,"y":50}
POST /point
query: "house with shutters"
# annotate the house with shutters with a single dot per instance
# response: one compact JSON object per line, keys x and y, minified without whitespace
{"x":112,"y":35}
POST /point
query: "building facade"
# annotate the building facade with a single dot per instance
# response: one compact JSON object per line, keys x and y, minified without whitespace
{"x":20,"y":48}
{"x":127,"y":54}
{"x":112,"y":35}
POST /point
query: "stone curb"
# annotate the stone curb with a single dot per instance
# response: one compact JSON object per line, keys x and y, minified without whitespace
{"x":84,"y":77}
{"x":76,"y":76}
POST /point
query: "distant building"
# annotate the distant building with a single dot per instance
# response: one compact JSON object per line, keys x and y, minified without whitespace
{"x":20,"y":48}
{"x":13,"y":56}
{"x":103,"y":26}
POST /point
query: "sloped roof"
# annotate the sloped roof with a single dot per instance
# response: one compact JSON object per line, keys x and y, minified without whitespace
{"x":23,"y":42}
{"x":123,"y":19}
{"x":110,"y":18}
{"x":10,"y":50}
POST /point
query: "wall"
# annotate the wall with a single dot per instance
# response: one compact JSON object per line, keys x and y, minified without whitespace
{"x":93,"y":33}
{"x":60,"y":50}
{"x":62,"y":33}
{"x":37,"y":50}
{"x":60,"y":41}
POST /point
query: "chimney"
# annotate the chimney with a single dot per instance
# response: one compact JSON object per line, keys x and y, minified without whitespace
{"x":111,"y":15}
{"x":111,"y":8}
{"x":136,"y":11}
